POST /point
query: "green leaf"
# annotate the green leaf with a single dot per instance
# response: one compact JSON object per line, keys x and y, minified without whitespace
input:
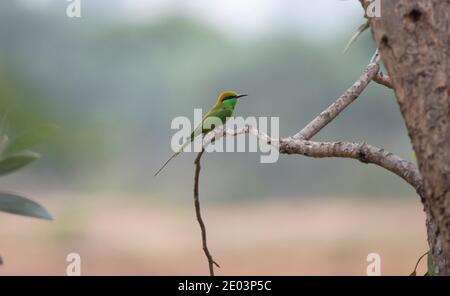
{"x":30,"y":138}
{"x":413,"y":273}
{"x":430,"y":264}
{"x":13,"y":162}
{"x":358,"y":32}
{"x":15,"y":204}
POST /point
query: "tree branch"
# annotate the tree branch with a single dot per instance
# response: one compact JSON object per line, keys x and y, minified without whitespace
{"x":198,"y":214}
{"x":360,"y":151}
{"x":220,"y":133}
{"x":351,"y":94}
{"x":383,"y":80}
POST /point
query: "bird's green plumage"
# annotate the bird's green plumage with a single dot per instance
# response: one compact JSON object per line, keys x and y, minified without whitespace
{"x":217,"y":116}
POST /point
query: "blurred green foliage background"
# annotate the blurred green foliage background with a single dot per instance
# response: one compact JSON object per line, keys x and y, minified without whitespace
{"x":113,"y":85}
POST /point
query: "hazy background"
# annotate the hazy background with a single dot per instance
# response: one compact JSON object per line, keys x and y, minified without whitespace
{"x":114,"y":80}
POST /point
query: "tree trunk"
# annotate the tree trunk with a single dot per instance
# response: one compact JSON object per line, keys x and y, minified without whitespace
{"x":413,"y":37}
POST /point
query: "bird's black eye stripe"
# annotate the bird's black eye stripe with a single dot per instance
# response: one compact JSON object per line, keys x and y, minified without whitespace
{"x":234,"y":97}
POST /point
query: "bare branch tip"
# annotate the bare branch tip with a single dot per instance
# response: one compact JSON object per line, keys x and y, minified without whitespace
{"x":376,"y":57}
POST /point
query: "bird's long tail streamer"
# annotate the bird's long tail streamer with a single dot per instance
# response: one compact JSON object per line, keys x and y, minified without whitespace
{"x":173,"y":156}
{"x":164,"y":165}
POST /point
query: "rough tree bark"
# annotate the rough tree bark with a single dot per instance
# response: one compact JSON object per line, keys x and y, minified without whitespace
{"x":413,"y":37}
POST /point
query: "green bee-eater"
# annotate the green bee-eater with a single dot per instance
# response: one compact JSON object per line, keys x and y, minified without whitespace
{"x":219,"y":113}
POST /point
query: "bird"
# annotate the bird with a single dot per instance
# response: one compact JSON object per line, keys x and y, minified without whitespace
{"x":219,"y":113}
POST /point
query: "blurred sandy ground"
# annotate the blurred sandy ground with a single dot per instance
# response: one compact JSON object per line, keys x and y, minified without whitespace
{"x":119,"y":235}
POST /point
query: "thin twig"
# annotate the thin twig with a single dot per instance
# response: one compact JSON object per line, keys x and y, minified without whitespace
{"x":382,"y":79}
{"x":211,"y":261}
{"x":417,"y":263}
{"x":220,"y":133}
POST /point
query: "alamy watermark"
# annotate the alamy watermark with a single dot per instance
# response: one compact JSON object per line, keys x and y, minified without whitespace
{"x":74,"y":266}
{"x":374,"y":266}
{"x":232,"y":144}
{"x":373,"y":9}
{"x":73,"y":9}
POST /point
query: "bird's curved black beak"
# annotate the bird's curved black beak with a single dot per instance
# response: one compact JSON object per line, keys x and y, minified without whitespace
{"x":240,"y":96}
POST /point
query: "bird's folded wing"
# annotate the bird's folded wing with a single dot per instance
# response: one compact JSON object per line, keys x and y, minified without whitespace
{"x":212,"y":119}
